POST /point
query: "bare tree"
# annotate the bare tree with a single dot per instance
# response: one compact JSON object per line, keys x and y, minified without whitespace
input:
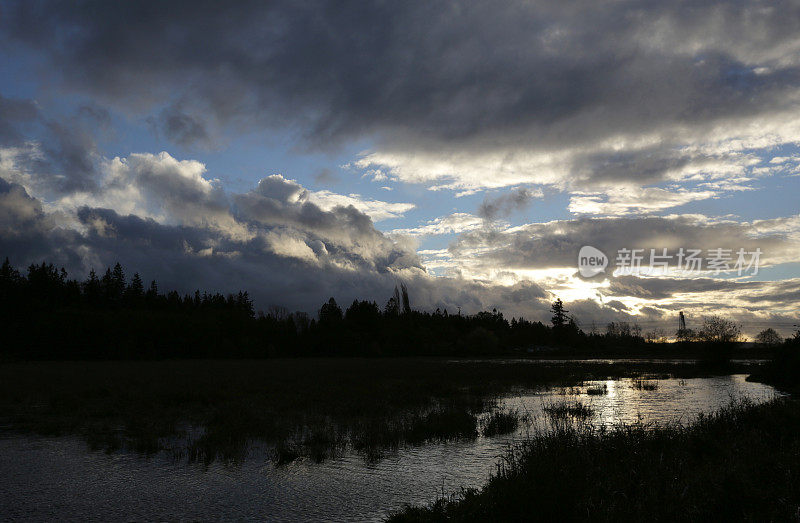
{"x":277,"y":312}
{"x":769,"y":337}
{"x":685,"y":335}
{"x":717,"y":329}
{"x":655,"y":336}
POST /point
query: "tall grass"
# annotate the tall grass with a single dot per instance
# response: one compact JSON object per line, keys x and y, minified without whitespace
{"x":575,"y":410}
{"x":741,"y":463}
{"x":501,"y":422}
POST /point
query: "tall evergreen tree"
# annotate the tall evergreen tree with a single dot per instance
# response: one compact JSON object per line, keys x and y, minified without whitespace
{"x":152,"y":292}
{"x":560,"y":317}
{"x":118,"y":279}
{"x":107,"y":286}
{"x":330,"y":313}
{"x":135,"y":291}
{"x":92,"y":289}
{"x":8,"y":273}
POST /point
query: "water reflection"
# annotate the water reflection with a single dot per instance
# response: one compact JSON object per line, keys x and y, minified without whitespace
{"x":672,"y":401}
{"x":47,"y":478}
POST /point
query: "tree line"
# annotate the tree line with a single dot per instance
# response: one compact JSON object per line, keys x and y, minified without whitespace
{"x":47,"y":287}
{"x":47,"y":314}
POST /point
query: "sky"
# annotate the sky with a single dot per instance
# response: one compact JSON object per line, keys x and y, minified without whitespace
{"x":302,"y":150}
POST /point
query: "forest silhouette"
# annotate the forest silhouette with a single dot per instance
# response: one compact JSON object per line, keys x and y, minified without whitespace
{"x":48,"y":315}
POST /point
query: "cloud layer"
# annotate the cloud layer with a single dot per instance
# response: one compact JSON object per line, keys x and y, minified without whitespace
{"x":633,"y":111}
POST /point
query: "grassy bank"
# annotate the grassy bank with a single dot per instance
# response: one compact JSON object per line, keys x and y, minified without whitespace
{"x":783,"y":371}
{"x":205,"y":410}
{"x":741,"y":463}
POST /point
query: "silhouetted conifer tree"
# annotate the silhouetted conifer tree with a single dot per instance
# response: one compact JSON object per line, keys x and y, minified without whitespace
{"x":91,"y":289}
{"x":118,"y":281}
{"x":330,"y":313}
{"x":559,"y":314}
{"x":134,"y":293}
{"x":152,"y":292}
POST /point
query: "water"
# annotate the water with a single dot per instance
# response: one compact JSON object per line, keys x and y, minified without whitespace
{"x":58,"y":478}
{"x":604,"y":361}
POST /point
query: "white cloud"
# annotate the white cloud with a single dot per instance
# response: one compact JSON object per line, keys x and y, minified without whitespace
{"x":452,"y":224}
{"x":376,"y":209}
{"x":624,"y":200}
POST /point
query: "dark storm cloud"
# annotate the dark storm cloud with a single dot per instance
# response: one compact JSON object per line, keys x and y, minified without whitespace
{"x":28,"y":233}
{"x":71,"y":152}
{"x":648,"y":165}
{"x":14,"y":112}
{"x":177,"y":256}
{"x":662,"y":288}
{"x":273,"y":242}
{"x":779,"y":292}
{"x":494,"y":207}
{"x":99,"y":117}
{"x":63,"y":157}
{"x":783,"y":294}
{"x":617,"y":305}
{"x":190,"y":256}
{"x":545,"y":72}
{"x":18,"y":209}
{"x":180,"y":128}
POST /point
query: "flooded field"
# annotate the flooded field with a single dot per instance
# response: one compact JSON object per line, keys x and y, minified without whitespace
{"x":47,"y":477}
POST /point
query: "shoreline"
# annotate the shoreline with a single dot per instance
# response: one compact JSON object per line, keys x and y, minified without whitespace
{"x":737,"y":463}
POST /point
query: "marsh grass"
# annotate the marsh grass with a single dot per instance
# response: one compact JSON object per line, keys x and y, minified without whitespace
{"x":569,"y":391}
{"x":597,"y":390}
{"x":644,"y":384}
{"x":740,"y":463}
{"x":312,"y":408}
{"x":205,"y":410}
{"x":317,"y":444}
{"x":501,"y":422}
{"x":572,"y":410}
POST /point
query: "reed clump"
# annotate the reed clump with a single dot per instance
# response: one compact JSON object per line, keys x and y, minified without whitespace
{"x":644,"y":384}
{"x":501,"y":422}
{"x":573,"y":410}
{"x":597,"y":390}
